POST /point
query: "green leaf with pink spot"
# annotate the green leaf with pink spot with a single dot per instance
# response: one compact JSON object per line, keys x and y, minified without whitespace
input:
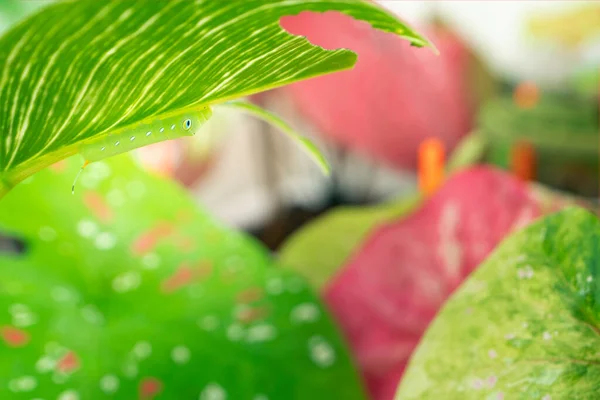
{"x":525,"y":325}
{"x":128,"y":290}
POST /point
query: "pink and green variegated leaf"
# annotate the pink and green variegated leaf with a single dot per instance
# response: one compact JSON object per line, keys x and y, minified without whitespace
{"x":127,"y":290}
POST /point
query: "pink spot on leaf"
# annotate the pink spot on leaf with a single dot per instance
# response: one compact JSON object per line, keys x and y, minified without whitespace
{"x":149,"y":387}
{"x":185,"y":275}
{"x":249,"y":295}
{"x":252,"y":314}
{"x":14,"y":337}
{"x":59,"y":166}
{"x":149,"y":239}
{"x":68,"y":363}
{"x":98,"y":206}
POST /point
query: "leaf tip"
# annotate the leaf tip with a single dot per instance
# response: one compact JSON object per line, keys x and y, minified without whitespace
{"x":421,"y":42}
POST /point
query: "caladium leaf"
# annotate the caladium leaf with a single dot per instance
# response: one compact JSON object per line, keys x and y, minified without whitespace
{"x":525,"y":325}
{"x":392,"y":91}
{"x":126,"y":290}
{"x":83,"y":69}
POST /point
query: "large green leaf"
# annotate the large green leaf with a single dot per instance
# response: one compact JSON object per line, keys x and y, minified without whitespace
{"x":525,"y":325}
{"x":127,"y":287}
{"x":83,"y":69}
{"x":321,"y":248}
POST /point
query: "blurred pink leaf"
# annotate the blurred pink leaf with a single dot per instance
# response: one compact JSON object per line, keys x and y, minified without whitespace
{"x":395,"y":97}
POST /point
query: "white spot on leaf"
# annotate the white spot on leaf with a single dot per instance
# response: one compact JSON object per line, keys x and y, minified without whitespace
{"x":208,"y":323}
{"x":321,"y":352}
{"x":450,"y":249}
{"x":130,"y":369}
{"x":87,"y":228}
{"x":23,"y":384}
{"x":274,"y":286}
{"x":109,"y":384}
{"x":235,"y":332}
{"x":261,"y":333}
{"x":47,"y":233}
{"x":305,"y":312}
{"x":115,"y":198}
{"x":92,"y":314}
{"x":99,"y":170}
{"x":22,"y":316}
{"x":142,"y":350}
{"x":62,"y":294}
{"x":150,"y":261}
{"x":68,"y":395}
{"x":45,"y":364}
{"x":105,"y":241}
{"x":180,"y":354}
{"x":525,"y":273}
{"x":126,"y":282}
{"x":213,"y":391}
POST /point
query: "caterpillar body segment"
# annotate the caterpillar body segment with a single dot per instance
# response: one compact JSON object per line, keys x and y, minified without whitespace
{"x":143,"y":134}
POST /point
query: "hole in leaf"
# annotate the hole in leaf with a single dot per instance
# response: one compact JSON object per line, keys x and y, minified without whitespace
{"x":316,"y":27}
{"x":10,"y":245}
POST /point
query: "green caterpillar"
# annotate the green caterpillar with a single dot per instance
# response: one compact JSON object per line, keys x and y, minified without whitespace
{"x":142,"y":134}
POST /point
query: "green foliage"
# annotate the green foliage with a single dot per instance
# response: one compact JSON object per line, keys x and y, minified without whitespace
{"x":525,"y":325}
{"x":127,"y":289}
{"x":563,"y":130}
{"x":321,"y":248}
{"x":469,"y":151}
{"x":564,"y":125}
{"x":587,"y":82}
{"x":83,"y":69}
